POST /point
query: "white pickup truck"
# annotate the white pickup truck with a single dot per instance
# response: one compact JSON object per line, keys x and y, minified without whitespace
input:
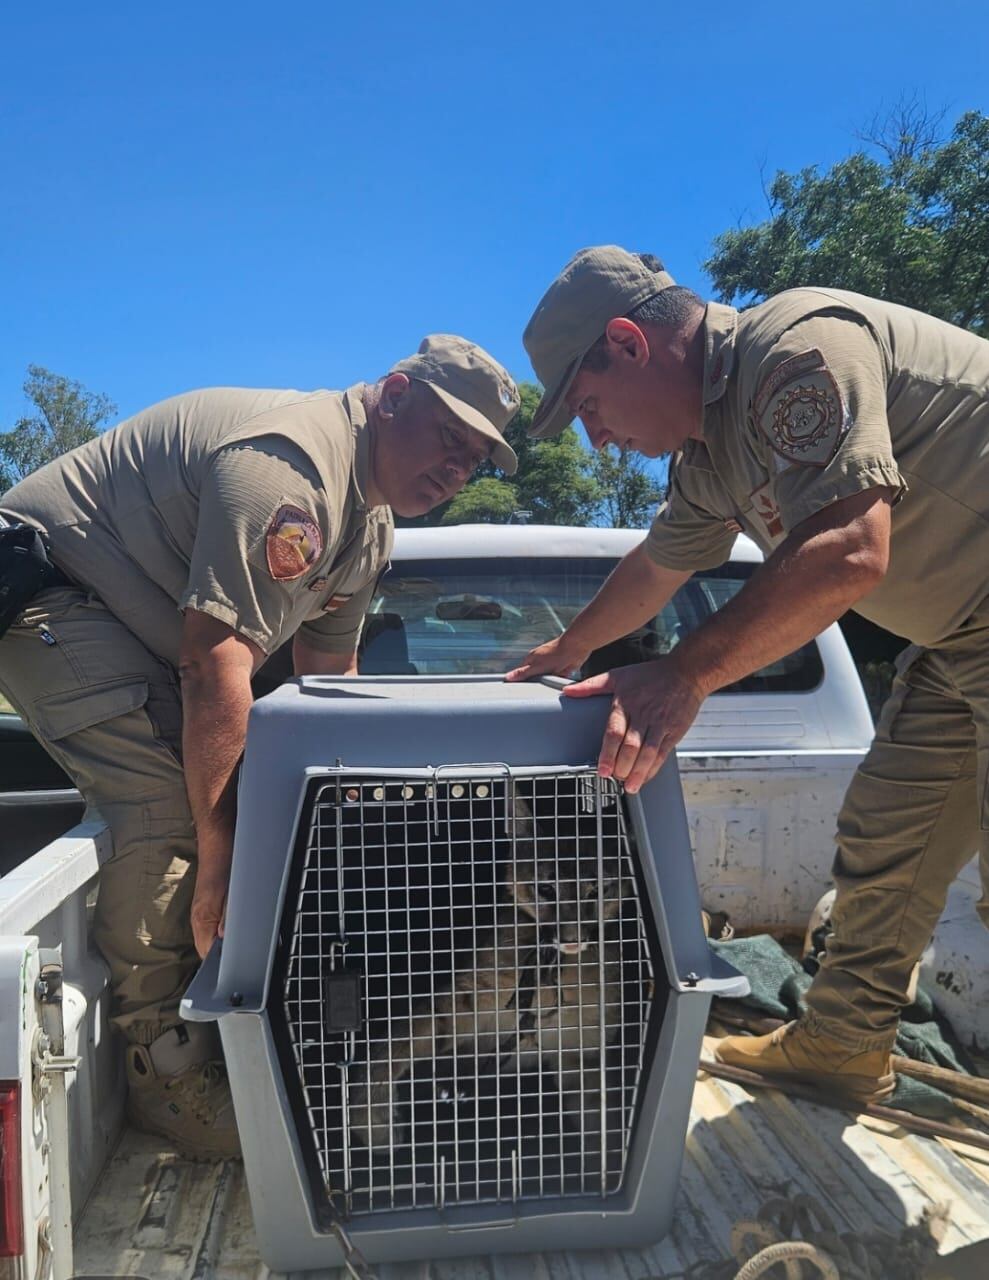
{"x":764,"y":768}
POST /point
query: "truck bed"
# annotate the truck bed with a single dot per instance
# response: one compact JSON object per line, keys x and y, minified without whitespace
{"x":154,"y":1215}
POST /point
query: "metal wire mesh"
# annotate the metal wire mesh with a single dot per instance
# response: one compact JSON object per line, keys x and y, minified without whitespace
{"x":488,"y":934}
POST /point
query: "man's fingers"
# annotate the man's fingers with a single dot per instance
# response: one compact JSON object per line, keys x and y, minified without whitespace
{"x":647,"y":764}
{"x":614,"y":736}
{"x":535,"y":664}
{"x":591,"y":687}
{"x":628,"y":753}
{"x":207,"y":924}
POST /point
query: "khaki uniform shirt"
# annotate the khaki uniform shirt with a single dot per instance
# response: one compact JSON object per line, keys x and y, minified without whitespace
{"x":816,"y":395}
{"x":246,"y":505}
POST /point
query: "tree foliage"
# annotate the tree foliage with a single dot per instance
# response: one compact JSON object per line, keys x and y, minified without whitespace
{"x":65,"y":415}
{"x":909,"y":224}
{"x":486,"y":500}
{"x":630,"y":493}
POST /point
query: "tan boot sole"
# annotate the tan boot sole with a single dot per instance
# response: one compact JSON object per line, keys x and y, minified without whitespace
{"x":867,"y":1090}
{"x":862,"y":1090}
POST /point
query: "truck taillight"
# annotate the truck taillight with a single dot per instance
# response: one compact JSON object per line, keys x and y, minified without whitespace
{"x":11,"y":1216}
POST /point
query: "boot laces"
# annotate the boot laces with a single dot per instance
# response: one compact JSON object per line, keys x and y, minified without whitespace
{"x":211,"y":1075}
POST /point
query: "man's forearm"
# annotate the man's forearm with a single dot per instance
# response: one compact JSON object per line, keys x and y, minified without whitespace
{"x":804,"y":587}
{"x":634,"y":592}
{"x":216,"y":700}
{"x":307,"y":661}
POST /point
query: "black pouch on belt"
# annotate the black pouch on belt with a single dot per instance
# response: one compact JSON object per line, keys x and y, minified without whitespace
{"x":25,"y":569}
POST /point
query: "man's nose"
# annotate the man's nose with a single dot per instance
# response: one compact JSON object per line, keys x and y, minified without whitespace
{"x":598,"y":434}
{"x":457,"y":469}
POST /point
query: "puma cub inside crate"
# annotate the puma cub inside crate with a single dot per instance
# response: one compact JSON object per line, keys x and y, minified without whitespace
{"x":463,"y":982}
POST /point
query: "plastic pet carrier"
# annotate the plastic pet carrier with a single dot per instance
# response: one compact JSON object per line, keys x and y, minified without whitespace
{"x":463,"y":982}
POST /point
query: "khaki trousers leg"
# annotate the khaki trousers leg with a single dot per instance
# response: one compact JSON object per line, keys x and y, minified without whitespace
{"x":110,"y":714}
{"x":915,"y":813}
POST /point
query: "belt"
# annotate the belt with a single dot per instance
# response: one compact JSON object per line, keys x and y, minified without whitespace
{"x":56,"y":578}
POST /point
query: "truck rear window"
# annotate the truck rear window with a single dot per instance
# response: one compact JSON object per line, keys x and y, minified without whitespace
{"x":482,"y":616}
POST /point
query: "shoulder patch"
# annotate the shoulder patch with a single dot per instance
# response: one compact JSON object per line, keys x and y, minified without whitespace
{"x":292,"y":544}
{"x":800,"y":411}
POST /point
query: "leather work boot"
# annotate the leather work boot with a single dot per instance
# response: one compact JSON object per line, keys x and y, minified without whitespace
{"x":812,"y":1057}
{"x":179,"y":1090}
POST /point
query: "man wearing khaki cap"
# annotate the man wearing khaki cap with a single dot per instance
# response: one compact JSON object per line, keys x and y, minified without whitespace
{"x":850,"y":438}
{"x":186,"y":545}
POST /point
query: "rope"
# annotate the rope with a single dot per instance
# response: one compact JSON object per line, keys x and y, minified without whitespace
{"x":769,"y":1246}
{"x":785,"y":1252}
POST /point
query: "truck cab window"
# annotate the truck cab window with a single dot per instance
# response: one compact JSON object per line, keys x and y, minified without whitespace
{"x":483,"y":615}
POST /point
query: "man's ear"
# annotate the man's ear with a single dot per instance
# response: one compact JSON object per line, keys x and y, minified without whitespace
{"x":394,"y":390}
{"x":626,"y":341}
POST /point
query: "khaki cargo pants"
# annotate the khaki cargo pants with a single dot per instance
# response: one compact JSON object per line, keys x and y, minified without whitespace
{"x":110,"y":714}
{"x":916,"y":811}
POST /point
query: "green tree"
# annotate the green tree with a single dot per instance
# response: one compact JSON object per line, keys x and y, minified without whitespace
{"x":557,"y":484}
{"x":486,"y":500}
{"x":909,"y":223}
{"x":629,"y":492}
{"x":65,"y":415}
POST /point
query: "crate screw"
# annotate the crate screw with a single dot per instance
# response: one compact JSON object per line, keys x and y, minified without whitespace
{"x":236,"y":999}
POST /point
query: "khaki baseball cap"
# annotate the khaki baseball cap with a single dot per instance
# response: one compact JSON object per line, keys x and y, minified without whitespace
{"x":596,"y":285}
{"x":470,"y":383}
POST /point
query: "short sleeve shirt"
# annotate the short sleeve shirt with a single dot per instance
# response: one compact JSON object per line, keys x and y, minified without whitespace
{"x":245,"y":505}
{"x":817,"y":395}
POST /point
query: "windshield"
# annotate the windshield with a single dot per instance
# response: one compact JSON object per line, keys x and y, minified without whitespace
{"x":482,"y":616}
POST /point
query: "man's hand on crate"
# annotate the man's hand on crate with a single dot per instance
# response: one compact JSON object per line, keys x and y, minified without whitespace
{"x":653,"y":706}
{"x":557,"y":657}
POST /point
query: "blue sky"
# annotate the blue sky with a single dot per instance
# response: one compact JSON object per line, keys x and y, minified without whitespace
{"x":293,"y":194}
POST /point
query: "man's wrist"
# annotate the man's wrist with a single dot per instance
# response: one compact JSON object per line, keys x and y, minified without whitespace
{"x":690,"y":666}
{"x":574,"y":640}
{"x":214,"y":860}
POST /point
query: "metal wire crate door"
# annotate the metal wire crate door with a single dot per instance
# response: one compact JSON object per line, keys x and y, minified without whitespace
{"x":468,"y":986}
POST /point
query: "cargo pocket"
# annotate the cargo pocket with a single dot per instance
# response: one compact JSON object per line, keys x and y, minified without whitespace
{"x":60,"y":714}
{"x":168,"y":877}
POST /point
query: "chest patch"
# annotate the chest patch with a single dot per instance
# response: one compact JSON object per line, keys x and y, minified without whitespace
{"x":293,"y":543}
{"x":800,"y":411}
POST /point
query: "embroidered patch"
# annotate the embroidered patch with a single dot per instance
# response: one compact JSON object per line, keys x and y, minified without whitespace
{"x":292,"y":544}
{"x":733,"y":526}
{"x":766,"y":514}
{"x":334,"y":603}
{"x":317,"y":584}
{"x":800,"y":411}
